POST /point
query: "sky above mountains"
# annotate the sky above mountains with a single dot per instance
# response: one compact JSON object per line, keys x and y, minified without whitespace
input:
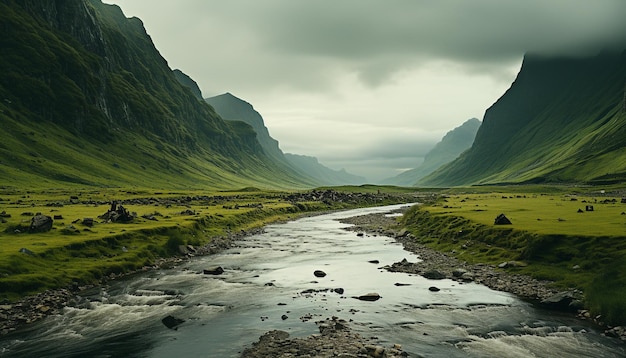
{"x":369,"y":86}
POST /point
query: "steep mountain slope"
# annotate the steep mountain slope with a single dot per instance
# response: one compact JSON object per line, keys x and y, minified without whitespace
{"x":86,"y":98}
{"x":188,"y":82}
{"x":449,"y":148}
{"x":323,"y":174}
{"x":562,"y":120}
{"x":231,"y":107}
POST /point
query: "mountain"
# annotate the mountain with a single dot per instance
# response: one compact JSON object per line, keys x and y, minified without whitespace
{"x":188,"y":82}
{"x":563,"y":120}
{"x":231,"y":107}
{"x":449,"y":148}
{"x":86,"y":99}
{"x":323,"y":174}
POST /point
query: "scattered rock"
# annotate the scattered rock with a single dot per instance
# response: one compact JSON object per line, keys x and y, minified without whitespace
{"x":339,"y":290}
{"x":40,"y":223}
{"x":171,"y":322}
{"x":434,"y":275}
{"x":117,"y":214}
{"x":319,"y":273}
{"x":334,"y":340}
{"x":88,"y":222}
{"x":27,"y":251}
{"x":217,"y":270}
{"x":459,"y":272}
{"x":563,"y":301}
{"x":372,"y":296}
{"x":376,"y":262}
{"x":502,"y":220}
{"x":433,"y":289}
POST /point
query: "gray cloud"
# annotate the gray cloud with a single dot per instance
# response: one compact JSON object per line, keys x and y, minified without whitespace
{"x":368,"y":84}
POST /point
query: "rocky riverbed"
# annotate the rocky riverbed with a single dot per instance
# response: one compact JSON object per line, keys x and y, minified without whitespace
{"x":36,"y":307}
{"x":334,"y":340}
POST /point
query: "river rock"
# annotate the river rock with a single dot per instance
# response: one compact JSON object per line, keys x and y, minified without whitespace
{"x":372,"y":296}
{"x":217,"y":270}
{"x":171,"y":321}
{"x":434,"y":275}
{"x":459,"y":272}
{"x":564,"y":301}
{"x":319,"y":273}
{"x":40,"y":223}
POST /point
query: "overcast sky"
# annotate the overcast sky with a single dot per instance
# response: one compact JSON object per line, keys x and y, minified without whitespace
{"x":369,"y":86}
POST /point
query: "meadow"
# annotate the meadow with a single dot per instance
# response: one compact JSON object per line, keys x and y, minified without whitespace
{"x":576,"y":240}
{"x":76,"y":253}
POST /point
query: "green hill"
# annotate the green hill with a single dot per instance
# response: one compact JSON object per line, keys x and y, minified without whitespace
{"x":561,"y":121}
{"x":86,"y":98}
{"x":449,"y":148}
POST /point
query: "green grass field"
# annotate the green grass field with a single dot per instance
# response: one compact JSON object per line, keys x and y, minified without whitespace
{"x":584,"y":250}
{"x":73,"y":252}
{"x":542,"y":213}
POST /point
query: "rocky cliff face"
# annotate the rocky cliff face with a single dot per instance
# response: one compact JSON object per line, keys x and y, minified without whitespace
{"x":232,"y":108}
{"x":97,"y":72}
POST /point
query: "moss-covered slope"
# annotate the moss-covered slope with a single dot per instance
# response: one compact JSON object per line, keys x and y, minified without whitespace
{"x":85,"y":97}
{"x":562,"y":120}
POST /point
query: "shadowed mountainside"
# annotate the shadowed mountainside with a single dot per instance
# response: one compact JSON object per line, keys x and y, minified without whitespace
{"x":561,"y":121}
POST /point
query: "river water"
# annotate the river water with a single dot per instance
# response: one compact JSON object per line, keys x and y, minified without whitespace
{"x":262,"y":289}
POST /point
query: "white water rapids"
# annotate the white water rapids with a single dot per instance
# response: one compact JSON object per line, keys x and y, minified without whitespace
{"x":264,"y":278}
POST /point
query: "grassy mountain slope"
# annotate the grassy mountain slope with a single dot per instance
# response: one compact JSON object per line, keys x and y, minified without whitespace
{"x":449,"y":148}
{"x":86,"y":98}
{"x":230,"y":107}
{"x":561,"y":121}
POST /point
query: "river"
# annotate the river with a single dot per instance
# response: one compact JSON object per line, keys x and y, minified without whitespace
{"x":262,"y":289}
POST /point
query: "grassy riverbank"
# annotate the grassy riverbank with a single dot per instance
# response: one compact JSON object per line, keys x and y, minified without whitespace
{"x":74,"y":252}
{"x":549,"y":239}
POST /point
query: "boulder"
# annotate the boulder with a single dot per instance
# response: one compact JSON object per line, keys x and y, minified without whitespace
{"x":372,"y":296}
{"x":433,"y":289}
{"x":563,"y":301}
{"x":458,"y":272}
{"x":319,"y":273}
{"x":40,"y":223}
{"x":88,"y":222}
{"x":217,"y":270}
{"x":502,"y":220}
{"x":117,"y":214}
{"x":171,"y":322}
{"x":434,"y":275}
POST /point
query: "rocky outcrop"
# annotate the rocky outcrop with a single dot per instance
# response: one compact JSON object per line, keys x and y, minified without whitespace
{"x":40,"y":223}
{"x":335,"y":340}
